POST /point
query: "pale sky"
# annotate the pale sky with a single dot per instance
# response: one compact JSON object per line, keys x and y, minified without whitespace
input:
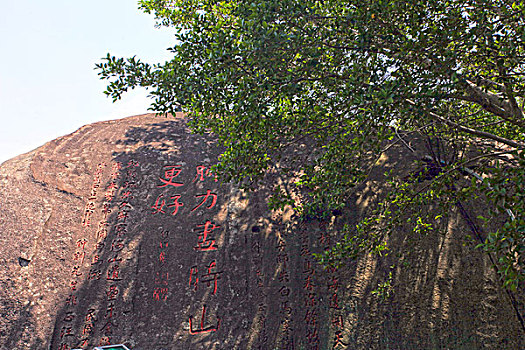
{"x":48,"y":87}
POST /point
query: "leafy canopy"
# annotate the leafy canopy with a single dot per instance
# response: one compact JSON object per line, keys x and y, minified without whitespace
{"x":317,"y":89}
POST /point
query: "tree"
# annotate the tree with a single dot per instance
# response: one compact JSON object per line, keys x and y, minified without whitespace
{"x":346,"y":78}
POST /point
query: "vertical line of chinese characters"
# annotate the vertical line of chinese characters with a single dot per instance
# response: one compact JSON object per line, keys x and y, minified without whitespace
{"x":95,"y":272}
{"x":161,"y":287}
{"x":67,"y":335}
{"x":174,"y":201}
{"x":119,"y":238}
{"x":262,"y":308}
{"x":310,"y":303}
{"x":285,"y":308}
{"x":207,"y":273}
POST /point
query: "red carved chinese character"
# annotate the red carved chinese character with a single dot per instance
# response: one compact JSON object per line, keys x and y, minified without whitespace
{"x":170,"y":173}
{"x":308,"y":284}
{"x":83,"y":343}
{"x":162,"y":257}
{"x":202,"y":329}
{"x":79,"y":256}
{"x":211,"y":276}
{"x":94,"y":274}
{"x":307,"y":267}
{"x":73,"y":285}
{"x":122,"y":215}
{"x":203,"y":243}
{"x":338,"y":340}
{"x":86,"y":220}
{"x":310,"y":301}
{"x":334,"y":283}
{"x":116,"y":166}
{"x":110,"y":191}
{"x":90,"y":316}
{"x":129,"y":184}
{"x":104,"y":341}
{"x":112,"y":292}
{"x":281,"y":245}
{"x":115,"y":258}
{"x":126,"y":195}
{"x":283,"y":258}
{"x":284,"y":291}
{"x":75,"y":272}
{"x":284,"y":276}
{"x":70,"y":316}
{"x":108,"y":328}
{"x":81,"y":243}
{"x":109,"y":310}
{"x":160,"y":293}
{"x":193,"y":275}
{"x":125,"y":204}
{"x":71,"y":300}
{"x":121,"y":229}
{"x":175,"y":204}
{"x":92,"y":197}
{"x":102,"y":231}
{"x":88,"y":329}
{"x":96,"y":260}
{"x":64,"y":346}
{"x":66,"y":331}
{"x":162,"y":278}
{"x":333,"y":302}
{"x":203,"y":172}
{"x":113,"y":273}
{"x":324,"y":239}
{"x":117,"y":245}
{"x":285,"y":308}
{"x":206,"y":196}
{"x":311,"y":317}
{"x":312,"y":335}
{"x":158,"y":205}
{"x":337,"y":321}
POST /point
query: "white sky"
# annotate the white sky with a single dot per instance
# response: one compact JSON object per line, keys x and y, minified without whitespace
{"x":48,"y":87}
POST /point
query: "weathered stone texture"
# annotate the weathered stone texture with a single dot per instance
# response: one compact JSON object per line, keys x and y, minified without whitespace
{"x":118,"y":233}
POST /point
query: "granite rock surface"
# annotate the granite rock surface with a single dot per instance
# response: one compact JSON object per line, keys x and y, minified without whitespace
{"x":119,"y":233}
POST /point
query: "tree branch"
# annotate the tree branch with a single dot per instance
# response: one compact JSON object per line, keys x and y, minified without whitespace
{"x":483,"y":134}
{"x":491,"y":103}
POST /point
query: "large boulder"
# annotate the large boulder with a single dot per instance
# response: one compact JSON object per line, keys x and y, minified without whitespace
{"x":119,"y":233}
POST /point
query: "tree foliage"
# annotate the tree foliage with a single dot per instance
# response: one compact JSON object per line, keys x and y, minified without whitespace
{"x":318,"y":89}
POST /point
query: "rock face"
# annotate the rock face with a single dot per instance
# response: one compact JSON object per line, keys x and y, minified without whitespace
{"x":119,"y":233}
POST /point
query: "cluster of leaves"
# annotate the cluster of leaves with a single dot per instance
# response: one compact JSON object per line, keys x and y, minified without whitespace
{"x":506,"y":190}
{"x":316,"y":89}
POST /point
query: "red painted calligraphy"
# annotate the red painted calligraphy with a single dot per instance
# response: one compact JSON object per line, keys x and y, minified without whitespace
{"x":90,"y":206}
{"x":203,"y":329}
{"x":170,"y":173}
{"x":202,"y":173}
{"x":112,"y":292}
{"x":113,"y":273}
{"x":207,"y":195}
{"x":160,"y":291}
{"x":204,"y":242}
{"x":159,"y":204}
{"x":194,"y":277}
{"x":175,"y":204}
{"x":211,"y":276}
